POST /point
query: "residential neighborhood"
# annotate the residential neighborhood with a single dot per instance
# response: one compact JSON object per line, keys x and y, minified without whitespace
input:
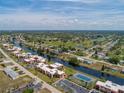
{"x":76,"y":70}
{"x":61,"y":46}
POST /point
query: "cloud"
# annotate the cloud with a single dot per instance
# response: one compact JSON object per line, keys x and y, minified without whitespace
{"x":83,"y":1}
{"x":61,"y":14}
{"x":49,"y":21}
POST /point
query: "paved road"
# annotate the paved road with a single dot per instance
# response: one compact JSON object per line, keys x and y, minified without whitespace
{"x":94,"y":60}
{"x":45,"y":85}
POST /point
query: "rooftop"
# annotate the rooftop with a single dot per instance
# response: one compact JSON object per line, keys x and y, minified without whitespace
{"x":11,"y":73}
{"x":110,"y":85}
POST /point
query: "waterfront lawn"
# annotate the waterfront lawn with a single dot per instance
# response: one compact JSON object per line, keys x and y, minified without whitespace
{"x":95,"y":66}
{"x":98,"y":66}
{"x":114,"y":73}
{"x":43,"y":76}
{"x":69,"y":71}
{"x":7,"y":83}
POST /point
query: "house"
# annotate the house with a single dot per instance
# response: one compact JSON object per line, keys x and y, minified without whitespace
{"x":27,"y":60}
{"x":87,"y":61}
{"x":80,"y":58}
{"x":15,"y":52}
{"x":19,"y":55}
{"x":11,"y":49}
{"x":41,"y":59}
{"x":38,"y":58}
{"x":60,"y":74}
{"x":121,"y":62}
{"x":106,"y":58}
{"x":34,"y":58}
{"x":11,"y":73}
{"x":109,"y":87}
{"x":50,"y":71}
{"x":101,"y":55}
{"x":6,"y":45}
{"x":17,"y":48}
{"x":122,"y":71}
{"x":114,"y":68}
{"x":40,"y":65}
{"x":56,"y":66}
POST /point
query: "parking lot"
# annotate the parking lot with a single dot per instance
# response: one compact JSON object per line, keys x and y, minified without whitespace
{"x":70,"y":87}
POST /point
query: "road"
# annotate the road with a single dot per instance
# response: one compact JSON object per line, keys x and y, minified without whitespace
{"x":94,"y":60}
{"x":45,"y":85}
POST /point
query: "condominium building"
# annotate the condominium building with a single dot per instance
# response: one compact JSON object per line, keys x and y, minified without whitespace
{"x":109,"y":87}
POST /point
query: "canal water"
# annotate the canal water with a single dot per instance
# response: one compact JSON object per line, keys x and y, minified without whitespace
{"x":89,"y":71}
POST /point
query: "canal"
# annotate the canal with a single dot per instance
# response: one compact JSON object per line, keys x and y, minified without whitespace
{"x":89,"y":71}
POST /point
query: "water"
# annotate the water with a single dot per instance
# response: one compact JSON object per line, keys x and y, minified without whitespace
{"x":82,"y":77}
{"x":89,"y":71}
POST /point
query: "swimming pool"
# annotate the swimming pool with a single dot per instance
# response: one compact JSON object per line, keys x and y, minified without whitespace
{"x":83,"y":77}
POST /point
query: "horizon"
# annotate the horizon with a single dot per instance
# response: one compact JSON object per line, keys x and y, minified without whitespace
{"x":61,"y":30}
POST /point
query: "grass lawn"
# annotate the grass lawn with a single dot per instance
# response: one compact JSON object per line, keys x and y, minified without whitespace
{"x":43,"y":76}
{"x":45,"y":90}
{"x":96,"y":66}
{"x":23,"y":64}
{"x":69,"y":71}
{"x":114,"y":73}
{"x":7,"y":83}
{"x":54,"y":43}
{"x":58,"y":43}
{"x":28,"y":91}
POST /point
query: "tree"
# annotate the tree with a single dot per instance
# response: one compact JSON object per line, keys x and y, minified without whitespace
{"x":103,"y":68}
{"x":64,"y":49}
{"x":40,"y":51}
{"x":118,"y":52}
{"x":49,"y":57}
{"x":114,"y":60}
{"x":74,"y":61}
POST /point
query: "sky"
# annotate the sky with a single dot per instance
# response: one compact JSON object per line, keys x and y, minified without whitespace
{"x":61,"y":14}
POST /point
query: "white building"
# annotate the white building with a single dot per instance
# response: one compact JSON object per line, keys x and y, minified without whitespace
{"x":56,"y":65}
{"x":46,"y":69}
{"x":109,"y":87}
{"x":11,"y":73}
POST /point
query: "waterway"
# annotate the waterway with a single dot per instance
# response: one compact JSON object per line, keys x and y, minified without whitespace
{"x":89,"y":71}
